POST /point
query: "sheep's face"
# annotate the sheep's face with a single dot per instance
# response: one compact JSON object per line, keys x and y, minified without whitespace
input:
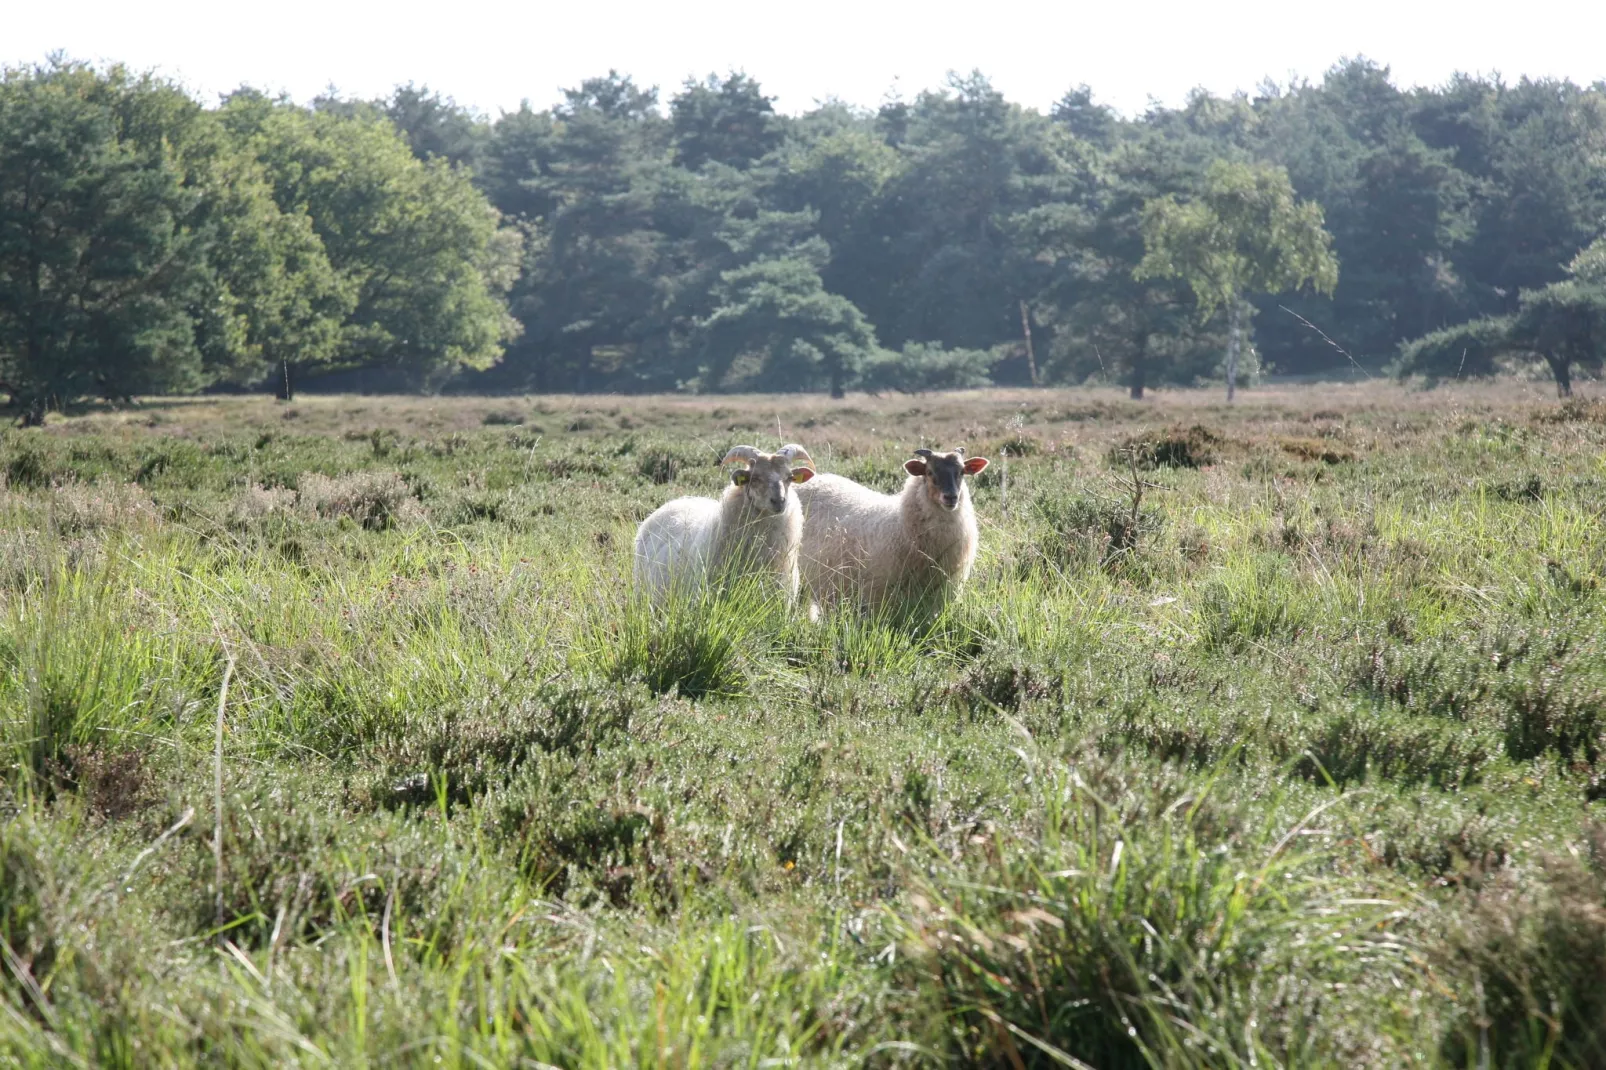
{"x":767,"y":481}
{"x":943,"y":474}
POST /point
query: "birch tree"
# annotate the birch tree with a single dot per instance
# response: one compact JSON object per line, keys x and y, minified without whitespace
{"x":1243,"y":233}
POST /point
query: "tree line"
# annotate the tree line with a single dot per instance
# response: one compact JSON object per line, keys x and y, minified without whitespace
{"x":618,"y":242}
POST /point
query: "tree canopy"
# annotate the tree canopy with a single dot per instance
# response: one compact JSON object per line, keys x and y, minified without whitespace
{"x":1562,"y":324}
{"x":622,"y":239}
{"x":1243,"y":233}
{"x":105,"y":236}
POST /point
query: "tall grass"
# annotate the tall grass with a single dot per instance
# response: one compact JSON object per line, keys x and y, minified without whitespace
{"x":87,"y":671}
{"x":700,"y":643}
{"x":1300,"y":767}
{"x":1143,"y":923}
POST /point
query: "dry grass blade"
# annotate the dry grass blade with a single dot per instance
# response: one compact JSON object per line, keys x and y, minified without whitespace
{"x":217,"y":789}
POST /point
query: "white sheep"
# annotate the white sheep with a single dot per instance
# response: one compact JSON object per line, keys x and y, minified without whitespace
{"x":752,"y":529}
{"x":887,"y":550}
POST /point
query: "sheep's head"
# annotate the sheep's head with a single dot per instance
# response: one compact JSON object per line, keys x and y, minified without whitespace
{"x":943,"y":474}
{"x":767,"y":480}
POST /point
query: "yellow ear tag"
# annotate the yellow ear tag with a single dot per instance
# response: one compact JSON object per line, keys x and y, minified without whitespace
{"x":739,"y":478}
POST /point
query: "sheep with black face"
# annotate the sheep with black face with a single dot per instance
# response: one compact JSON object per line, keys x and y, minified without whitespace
{"x":753,"y":528}
{"x":883,"y":550}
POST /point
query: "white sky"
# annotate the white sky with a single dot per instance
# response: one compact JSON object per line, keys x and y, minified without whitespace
{"x":491,"y":55}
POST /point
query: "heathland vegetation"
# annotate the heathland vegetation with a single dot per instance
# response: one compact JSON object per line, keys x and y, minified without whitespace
{"x":1263,"y":735}
{"x":619,"y":241}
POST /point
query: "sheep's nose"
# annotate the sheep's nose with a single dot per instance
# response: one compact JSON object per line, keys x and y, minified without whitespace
{"x":777,"y":504}
{"x":950,"y":500}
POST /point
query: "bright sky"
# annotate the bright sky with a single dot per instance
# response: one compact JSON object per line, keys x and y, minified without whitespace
{"x":489,"y":56}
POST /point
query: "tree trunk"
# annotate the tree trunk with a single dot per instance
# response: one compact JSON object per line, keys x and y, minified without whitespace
{"x":1561,"y":368}
{"x":285,"y":391}
{"x":1234,"y":319}
{"x":1026,"y":329}
{"x":1140,"y":375}
{"x":836,"y":384}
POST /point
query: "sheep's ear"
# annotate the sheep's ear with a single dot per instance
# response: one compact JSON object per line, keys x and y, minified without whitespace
{"x":739,"y":477}
{"x":802,"y":475}
{"x":915,"y":468}
{"x":974,"y":465}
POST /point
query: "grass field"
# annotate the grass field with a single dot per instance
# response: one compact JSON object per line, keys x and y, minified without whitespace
{"x":1263,"y":736}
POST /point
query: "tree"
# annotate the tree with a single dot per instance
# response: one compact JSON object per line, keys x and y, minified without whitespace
{"x":272,"y":296}
{"x":923,"y":366}
{"x":841,"y":175}
{"x":1563,"y":324}
{"x":1532,"y":152}
{"x":947,"y":264}
{"x":1094,"y":123}
{"x":593,"y":294}
{"x":515,"y":164}
{"x":1105,"y":322}
{"x":418,"y":249}
{"x":1397,"y":208}
{"x":777,"y":311}
{"x":436,"y":126}
{"x":104,"y":235}
{"x":1472,"y":349}
{"x":727,"y":121}
{"x":1244,"y":233}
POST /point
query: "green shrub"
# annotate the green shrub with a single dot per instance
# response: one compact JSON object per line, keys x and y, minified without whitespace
{"x":1080,"y":530}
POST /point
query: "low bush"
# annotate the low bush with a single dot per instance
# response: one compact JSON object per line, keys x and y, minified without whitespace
{"x":1176,"y":447}
{"x":374,"y":500}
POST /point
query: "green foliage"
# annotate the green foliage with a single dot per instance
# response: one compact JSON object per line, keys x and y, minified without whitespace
{"x":1472,"y":348}
{"x":436,"y":126}
{"x":617,"y":242}
{"x":1244,"y":233}
{"x":1589,"y":266}
{"x":1564,"y":324}
{"x":1398,"y":202}
{"x":155,"y":246}
{"x":103,"y":235}
{"x":415,"y":246}
{"x":920,"y":367}
{"x":1106,"y":323}
{"x":778,"y":312}
{"x":728,"y":121}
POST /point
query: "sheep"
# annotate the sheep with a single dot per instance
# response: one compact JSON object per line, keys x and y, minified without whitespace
{"x":891,"y":550}
{"x":752,"y":529}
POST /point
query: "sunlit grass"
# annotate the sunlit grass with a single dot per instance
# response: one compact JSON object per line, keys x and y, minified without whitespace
{"x":1286,"y":772}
